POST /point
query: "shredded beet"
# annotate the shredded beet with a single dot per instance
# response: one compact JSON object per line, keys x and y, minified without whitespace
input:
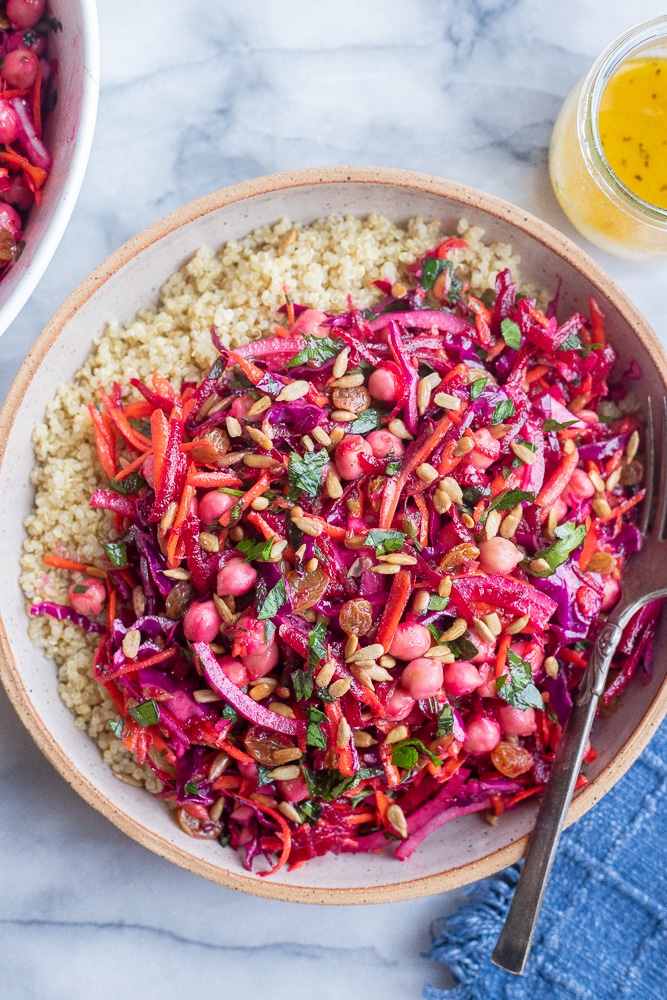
{"x":357,"y":570}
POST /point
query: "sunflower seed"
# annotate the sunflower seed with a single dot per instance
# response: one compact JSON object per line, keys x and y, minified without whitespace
{"x":293,"y":390}
{"x":396,"y":819}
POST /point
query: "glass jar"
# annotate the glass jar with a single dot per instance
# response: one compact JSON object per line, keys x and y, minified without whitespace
{"x":594,"y":198}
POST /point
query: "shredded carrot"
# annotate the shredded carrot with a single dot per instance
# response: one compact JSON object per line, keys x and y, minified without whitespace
{"x":78,"y":567}
{"x":250,"y":370}
{"x":163,"y":387}
{"x":536,"y":373}
{"x":423,"y":518}
{"x":36,"y":174}
{"x":526,"y":793}
{"x":117,"y":416}
{"x":623,"y":508}
{"x":589,"y":547}
{"x":234,"y":751}
{"x":256,"y":490}
{"x":399,"y":594}
{"x":105,"y":440}
{"x":213,"y":480}
{"x":391,"y":771}
{"x":159,"y":436}
{"x":286,"y":835}
{"x":394,"y":486}
{"x":226,"y":782}
{"x":597,"y":321}
{"x":138,"y":410}
{"x":501,"y":655}
{"x":131,"y":666}
{"x":538,"y":317}
{"x":129,"y":469}
{"x":556,"y":483}
{"x":356,"y":819}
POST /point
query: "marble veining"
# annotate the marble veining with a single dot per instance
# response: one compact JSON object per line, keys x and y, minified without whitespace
{"x":196,"y":96}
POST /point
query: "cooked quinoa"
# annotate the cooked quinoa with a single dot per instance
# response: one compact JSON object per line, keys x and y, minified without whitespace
{"x":237,"y":288}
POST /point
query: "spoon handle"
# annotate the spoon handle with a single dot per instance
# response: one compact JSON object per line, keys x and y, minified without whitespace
{"x":515,"y":940}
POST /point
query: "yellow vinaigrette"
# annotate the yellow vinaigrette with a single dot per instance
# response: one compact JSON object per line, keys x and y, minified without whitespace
{"x":632,"y":124}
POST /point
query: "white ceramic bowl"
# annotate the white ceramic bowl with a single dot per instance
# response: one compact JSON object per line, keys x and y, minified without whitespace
{"x":68,"y":135}
{"x":461,"y":852}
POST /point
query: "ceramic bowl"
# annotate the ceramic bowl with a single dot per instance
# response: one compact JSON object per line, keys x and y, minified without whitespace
{"x":461,"y":852}
{"x":68,"y":135}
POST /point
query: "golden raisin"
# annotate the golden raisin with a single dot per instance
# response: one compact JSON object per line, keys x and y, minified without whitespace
{"x":307,"y":588}
{"x":356,"y":399}
{"x":356,"y":617}
{"x":511,"y":760}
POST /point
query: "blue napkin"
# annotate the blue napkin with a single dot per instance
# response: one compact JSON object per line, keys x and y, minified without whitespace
{"x":602,"y":932}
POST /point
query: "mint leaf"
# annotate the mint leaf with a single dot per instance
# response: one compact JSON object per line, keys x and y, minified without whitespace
{"x":516,"y":687}
{"x":116,"y":727}
{"x":554,"y":425}
{"x":503,"y":410}
{"x":146,"y":714}
{"x":302,"y":684}
{"x":230,"y":713}
{"x":572,"y":342}
{"x":314,"y":735}
{"x":116,"y":553}
{"x":190,"y":788}
{"x":384,"y":541}
{"x":329,"y":785}
{"x":445,"y":726}
{"x":477,"y":387}
{"x":509,"y":499}
{"x":406,"y":753}
{"x":317,"y":650}
{"x":367,"y":421}
{"x":273,"y":601}
{"x":252,"y":549}
{"x":437,"y":603}
{"x":463,"y":648}
{"x":432,"y":268}
{"x":316,"y":350}
{"x":570,"y":536}
{"x":304,"y":473}
{"x":511,"y":333}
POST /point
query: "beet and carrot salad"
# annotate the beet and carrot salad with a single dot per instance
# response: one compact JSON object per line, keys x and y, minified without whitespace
{"x":27,"y":94}
{"x":355,"y":573}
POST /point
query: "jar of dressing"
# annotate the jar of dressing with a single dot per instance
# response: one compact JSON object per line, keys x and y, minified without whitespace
{"x":608,"y":153}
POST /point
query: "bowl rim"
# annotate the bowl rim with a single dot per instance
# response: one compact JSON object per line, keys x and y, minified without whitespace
{"x":82,"y":143}
{"x":10,"y":674}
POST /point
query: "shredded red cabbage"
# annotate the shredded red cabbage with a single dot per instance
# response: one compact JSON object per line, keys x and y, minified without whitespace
{"x":364,"y":564}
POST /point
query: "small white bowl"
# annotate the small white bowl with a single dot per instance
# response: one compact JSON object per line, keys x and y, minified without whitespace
{"x":68,"y":135}
{"x":461,"y":852}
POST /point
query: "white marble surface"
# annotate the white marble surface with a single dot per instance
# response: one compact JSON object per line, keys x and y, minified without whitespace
{"x":195,"y":96}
